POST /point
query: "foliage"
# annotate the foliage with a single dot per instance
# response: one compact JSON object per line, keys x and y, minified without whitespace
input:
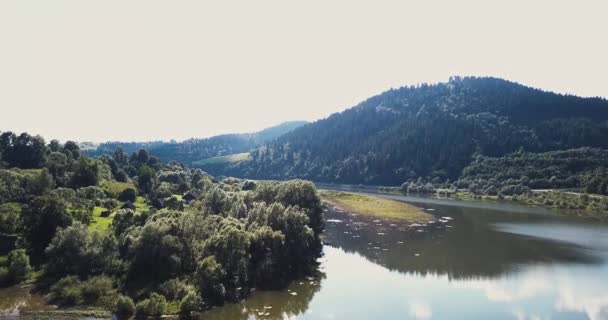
{"x":10,"y":216}
{"x":127,"y":194}
{"x":17,"y":268}
{"x":154,"y":306}
{"x":190,"y":303}
{"x":125,"y":308}
{"x":70,"y":291}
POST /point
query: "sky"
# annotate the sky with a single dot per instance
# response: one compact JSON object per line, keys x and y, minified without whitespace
{"x":147,"y":70}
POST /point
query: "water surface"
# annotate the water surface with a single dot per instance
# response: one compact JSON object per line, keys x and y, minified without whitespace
{"x":476,"y":260}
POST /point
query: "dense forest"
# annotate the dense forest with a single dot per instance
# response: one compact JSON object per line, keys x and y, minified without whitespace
{"x":192,"y":150}
{"x":142,"y":237}
{"x":436,"y":131}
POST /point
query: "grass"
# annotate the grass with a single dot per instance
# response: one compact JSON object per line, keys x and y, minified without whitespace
{"x":115,"y":187}
{"x":231,"y":158}
{"x":141,"y":205}
{"x":375,"y":206}
{"x":100,"y":223}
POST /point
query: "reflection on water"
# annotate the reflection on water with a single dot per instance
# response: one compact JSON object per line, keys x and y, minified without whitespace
{"x":16,"y":300}
{"x":471,"y":262}
{"x":285,"y":304}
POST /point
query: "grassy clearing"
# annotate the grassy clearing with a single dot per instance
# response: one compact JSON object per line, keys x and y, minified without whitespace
{"x":141,"y":204}
{"x":375,"y":206}
{"x":231,"y":158}
{"x":100,"y":223}
{"x":115,"y":187}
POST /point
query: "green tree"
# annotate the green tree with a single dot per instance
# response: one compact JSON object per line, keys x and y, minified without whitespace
{"x":125,"y":308}
{"x":85,"y":174}
{"x":40,"y":219}
{"x":146,"y":179}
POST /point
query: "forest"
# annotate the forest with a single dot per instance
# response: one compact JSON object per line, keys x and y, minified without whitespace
{"x":142,"y":237}
{"x":193,"y":150}
{"x":440,"y":132}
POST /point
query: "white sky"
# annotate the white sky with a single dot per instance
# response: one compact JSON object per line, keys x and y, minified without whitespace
{"x":141,"y":70}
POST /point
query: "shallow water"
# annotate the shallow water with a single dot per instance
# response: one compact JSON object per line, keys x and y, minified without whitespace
{"x":484,"y":261}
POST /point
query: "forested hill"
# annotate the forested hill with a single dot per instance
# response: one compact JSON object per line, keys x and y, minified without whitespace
{"x":198,"y":149}
{"x":431,"y":131}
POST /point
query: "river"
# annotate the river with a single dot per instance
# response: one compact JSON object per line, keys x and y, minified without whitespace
{"x":484,"y":261}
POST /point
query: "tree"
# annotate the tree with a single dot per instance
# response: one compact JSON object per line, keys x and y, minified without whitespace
{"x":10,"y":216}
{"x":18,"y":265}
{"x":128,"y":194}
{"x":125,"y":308}
{"x":54,"y":145}
{"x":70,"y":252}
{"x":86,"y":173}
{"x":146,"y":179}
{"x":40,"y":219}
{"x":209,"y":276}
{"x":120,"y":157}
{"x":71,"y":149}
{"x":190,"y":303}
{"x":57,"y":164}
{"x":23,"y":151}
{"x":142,"y":156}
{"x":154,"y":306}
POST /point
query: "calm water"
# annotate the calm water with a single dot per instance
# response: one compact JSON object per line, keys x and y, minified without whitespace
{"x":481,"y":261}
{"x":485,"y":261}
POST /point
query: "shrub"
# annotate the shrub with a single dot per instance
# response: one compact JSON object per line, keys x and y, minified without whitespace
{"x":190,"y":303}
{"x":152,"y":307}
{"x":175,"y":289}
{"x":125,"y":308}
{"x":98,"y":291}
{"x":18,"y":265}
{"x":66,"y":291}
{"x":70,"y":291}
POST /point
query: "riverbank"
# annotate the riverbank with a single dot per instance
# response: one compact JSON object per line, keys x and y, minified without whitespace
{"x":568,"y":202}
{"x":374,"y":206}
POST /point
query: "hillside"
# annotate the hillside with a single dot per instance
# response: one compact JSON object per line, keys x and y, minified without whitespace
{"x":193,"y":150}
{"x":432,"y":131}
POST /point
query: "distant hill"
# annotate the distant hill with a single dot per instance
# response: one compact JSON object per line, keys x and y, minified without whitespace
{"x":193,"y":150}
{"x":432,"y":131}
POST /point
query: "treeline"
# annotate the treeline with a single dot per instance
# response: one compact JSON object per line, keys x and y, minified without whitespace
{"x":192,"y":150}
{"x":582,"y":169}
{"x":176,"y":239}
{"x":430,"y":131}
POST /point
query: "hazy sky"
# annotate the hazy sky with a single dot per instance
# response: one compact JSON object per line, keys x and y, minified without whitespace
{"x":141,"y":70}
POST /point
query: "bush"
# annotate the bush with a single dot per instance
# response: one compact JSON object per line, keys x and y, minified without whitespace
{"x":125,"y":308}
{"x":190,"y":303}
{"x":66,"y":291}
{"x":152,"y":307}
{"x":128,"y":194}
{"x":175,"y":289}
{"x":70,"y":291}
{"x":4,"y":278}
{"x":18,"y":265}
{"x":98,"y":291}
{"x":209,"y":276}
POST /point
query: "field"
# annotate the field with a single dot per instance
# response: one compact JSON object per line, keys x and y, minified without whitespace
{"x":102,"y":224}
{"x":374,"y":206}
{"x":231,"y":158}
{"x":115,"y":187}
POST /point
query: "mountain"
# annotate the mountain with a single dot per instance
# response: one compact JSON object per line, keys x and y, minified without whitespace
{"x":431,"y":131}
{"x":193,"y":150}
